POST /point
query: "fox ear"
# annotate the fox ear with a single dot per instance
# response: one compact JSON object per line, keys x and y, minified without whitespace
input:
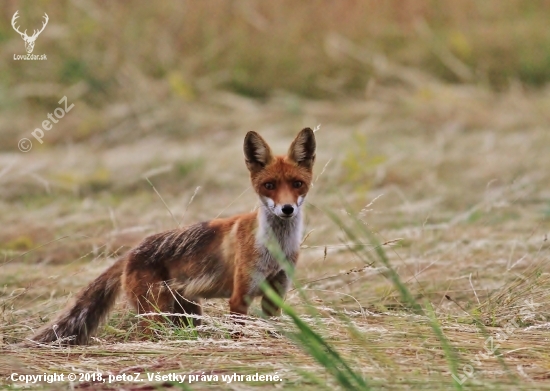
{"x":302,"y":149}
{"x":257,"y":153}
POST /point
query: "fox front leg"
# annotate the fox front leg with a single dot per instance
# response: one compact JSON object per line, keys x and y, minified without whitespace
{"x":280,"y":284}
{"x":240,"y":297}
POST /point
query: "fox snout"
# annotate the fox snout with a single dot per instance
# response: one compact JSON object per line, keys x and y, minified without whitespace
{"x":288,"y":209}
{"x":285,"y":209}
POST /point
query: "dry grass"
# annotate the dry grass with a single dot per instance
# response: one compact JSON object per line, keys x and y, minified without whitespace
{"x":453,"y":178}
{"x":254,"y":47}
{"x":460,"y":174}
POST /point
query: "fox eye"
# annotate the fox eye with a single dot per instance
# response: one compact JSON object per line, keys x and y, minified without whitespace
{"x":269,"y":185}
{"x":297,"y":184}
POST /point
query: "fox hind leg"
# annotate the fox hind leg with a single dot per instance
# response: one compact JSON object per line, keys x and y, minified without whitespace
{"x":149,"y":294}
{"x":187,"y":305}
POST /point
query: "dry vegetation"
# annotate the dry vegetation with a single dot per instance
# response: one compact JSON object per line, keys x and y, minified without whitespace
{"x":430,"y":137}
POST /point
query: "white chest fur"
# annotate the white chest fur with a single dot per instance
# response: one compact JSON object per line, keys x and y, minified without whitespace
{"x":276,"y":233}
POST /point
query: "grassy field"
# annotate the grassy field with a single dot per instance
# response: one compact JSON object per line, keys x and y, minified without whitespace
{"x":426,"y":252}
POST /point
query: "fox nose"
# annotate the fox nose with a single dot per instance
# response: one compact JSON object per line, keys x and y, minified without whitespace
{"x":288,"y":209}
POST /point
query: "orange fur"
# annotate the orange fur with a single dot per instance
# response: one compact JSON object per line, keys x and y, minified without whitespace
{"x":174,"y":270}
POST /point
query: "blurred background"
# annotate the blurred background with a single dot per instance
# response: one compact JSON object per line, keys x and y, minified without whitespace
{"x":316,"y":49}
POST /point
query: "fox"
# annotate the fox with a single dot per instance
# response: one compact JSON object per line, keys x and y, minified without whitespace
{"x":174,"y":271}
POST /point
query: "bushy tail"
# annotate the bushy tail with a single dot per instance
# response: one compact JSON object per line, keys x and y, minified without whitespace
{"x":78,"y":322}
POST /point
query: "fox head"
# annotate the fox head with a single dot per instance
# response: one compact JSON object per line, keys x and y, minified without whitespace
{"x":281,"y":182}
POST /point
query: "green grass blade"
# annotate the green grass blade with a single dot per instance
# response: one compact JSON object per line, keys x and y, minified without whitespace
{"x":318,"y":348}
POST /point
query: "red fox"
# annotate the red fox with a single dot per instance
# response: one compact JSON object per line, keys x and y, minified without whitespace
{"x":223,"y":258}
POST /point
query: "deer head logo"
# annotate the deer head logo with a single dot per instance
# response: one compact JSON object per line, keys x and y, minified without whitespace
{"x":29,"y":41}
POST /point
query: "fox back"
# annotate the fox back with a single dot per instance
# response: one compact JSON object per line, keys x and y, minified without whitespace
{"x":173,"y":271}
